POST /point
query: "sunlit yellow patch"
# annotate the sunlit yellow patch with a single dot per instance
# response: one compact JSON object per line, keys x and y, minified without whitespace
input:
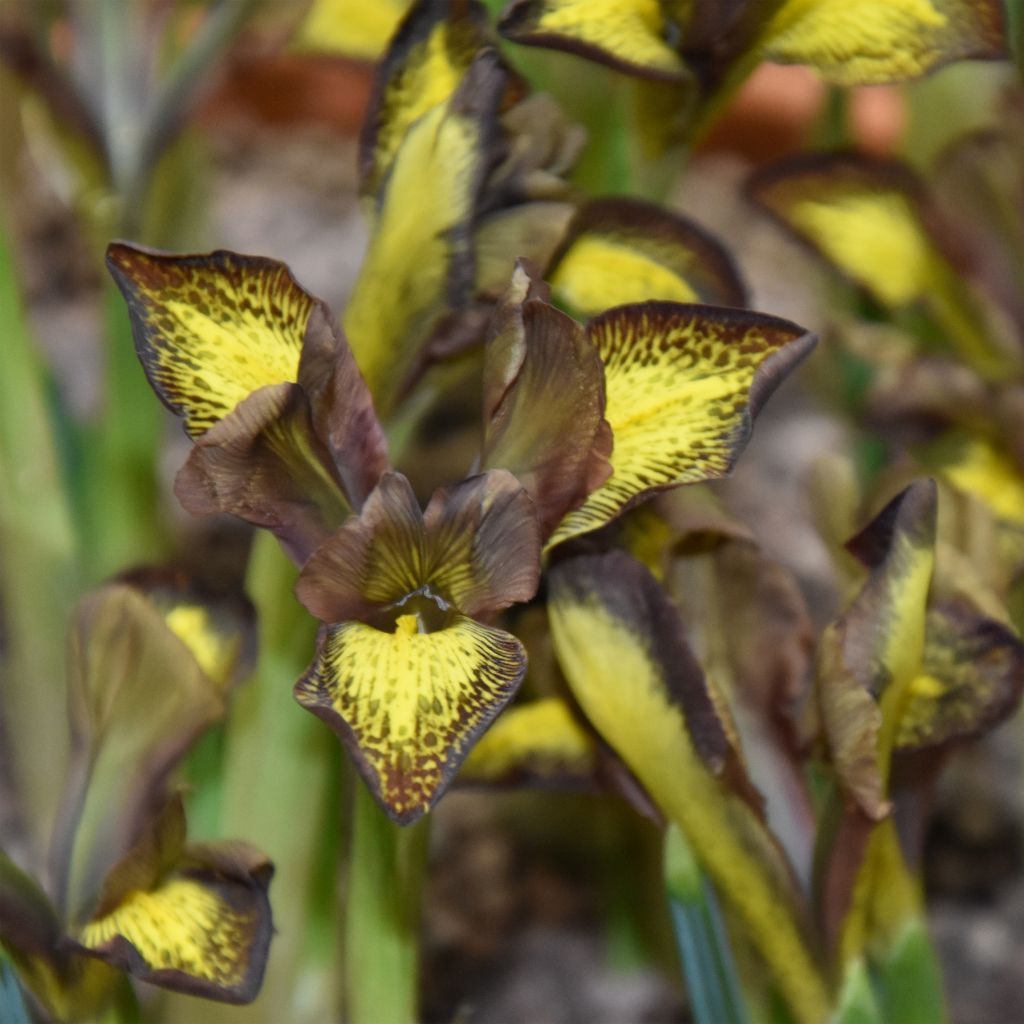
{"x":210,"y":330}
{"x":539,"y":740}
{"x":974,"y":465}
{"x":874,"y":237}
{"x":597,"y":273}
{"x":352,"y":28}
{"x":214,"y":649}
{"x":628,"y":33}
{"x":412,"y":702}
{"x":415,"y":247}
{"x":182,"y":925}
{"x":876,"y":41}
{"x":678,"y":382}
{"x":614,"y":674}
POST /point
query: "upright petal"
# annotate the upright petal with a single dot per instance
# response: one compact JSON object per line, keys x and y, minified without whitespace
{"x":544,"y":405}
{"x":210,"y":330}
{"x":409,"y":705}
{"x":873,"y":42}
{"x":622,"y":250}
{"x":373,"y":561}
{"x":629,"y":35}
{"x":483,"y":543}
{"x":683,"y":385}
{"x":870,"y":657}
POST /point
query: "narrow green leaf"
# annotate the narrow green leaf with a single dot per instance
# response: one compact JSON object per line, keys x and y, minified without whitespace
{"x":857,"y":1002}
{"x":909,"y":979}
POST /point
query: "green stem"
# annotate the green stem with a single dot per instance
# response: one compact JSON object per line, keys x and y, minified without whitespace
{"x":711,"y":977}
{"x":38,"y":582}
{"x":276,"y":789}
{"x":382,"y":921}
{"x":123,"y":522}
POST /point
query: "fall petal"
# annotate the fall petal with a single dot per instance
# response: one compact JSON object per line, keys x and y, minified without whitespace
{"x":193,"y":919}
{"x":619,"y":251}
{"x":409,"y":705}
{"x":628,"y":35}
{"x":878,"y":41}
{"x":210,"y":330}
{"x":683,"y":385}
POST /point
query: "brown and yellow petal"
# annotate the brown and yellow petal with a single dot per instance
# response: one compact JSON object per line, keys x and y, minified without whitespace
{"x":426,"y":59}
{"x":408,"y":704}
{"x":620,"y":643}
{"x":619,"y":251}
{"x":544,"y":404}
{"x":475,"y":549}
{"x":872,"y":42}
{"x":210,"y":330}
{"x":265,"y":464}
{"x":869,"y":658}
{"x":193,"y":919}
{"x":419,"y":264}
{"x":683,"y":384}
{"x":629,"y":35}
{"x":970,"y":679}
{"x":535,"y":744}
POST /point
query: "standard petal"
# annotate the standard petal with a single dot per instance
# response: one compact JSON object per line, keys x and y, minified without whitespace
{"x":548,"y":426}
{"x":483,"y":543}
{"x":420,"y":260}
{"x":619,"y":251}
{"x":372,"y":561}
{"x":265,"y":463}
{"x":870,"y":657}
{"x":210,"y":330}
{"x":193,"y":919}
{"x":534,"y":744}
{"x":619,"y":641}
{"x":877,"y":41}
{"x":410,"y":705}
{"x":683,"y":385}
{"x":629,"y":35}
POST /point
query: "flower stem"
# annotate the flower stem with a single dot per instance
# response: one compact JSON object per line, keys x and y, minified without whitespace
{"x":382,"y":923}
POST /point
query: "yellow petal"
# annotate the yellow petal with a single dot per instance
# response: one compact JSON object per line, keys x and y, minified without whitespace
{"x":974,"y":465}
{"x":620,"y":251}
{"x":352,"y":28}
{"x":683,"y":384}
{"x":424,"y":65}
{"x":420,"y":258}
{"x":619,"y":642}
{"x":194,"y":919}
{"x":626,"y":34}
{"x":409,"y":705}
{"x":210,"y":330}
{"x":871,"y":42}
{"x":539,"y":743}
{"x":863,"y":216}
